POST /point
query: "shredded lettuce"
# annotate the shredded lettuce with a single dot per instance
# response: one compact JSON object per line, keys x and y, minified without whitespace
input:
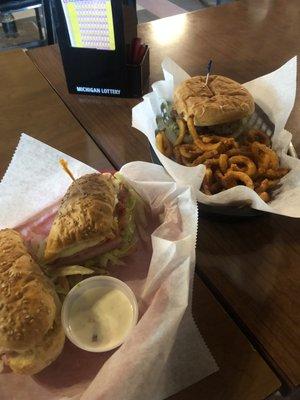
{"x":70,"y":270}
{"x":139,"y":205}
{"x":64,"y":278}
{"x":62,"y":285}
{"x":62,"y":292}
{"x":128,"y":236}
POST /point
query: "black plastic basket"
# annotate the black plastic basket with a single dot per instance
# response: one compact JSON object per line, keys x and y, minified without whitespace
{"x":258,"y":120}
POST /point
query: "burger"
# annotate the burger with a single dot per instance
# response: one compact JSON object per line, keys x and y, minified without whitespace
{"x":95,"y":222}
{"x":31,"y":335}
{"x":217,"y":105}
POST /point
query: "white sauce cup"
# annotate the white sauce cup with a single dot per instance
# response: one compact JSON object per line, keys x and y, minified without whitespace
{"x":100,"y":282}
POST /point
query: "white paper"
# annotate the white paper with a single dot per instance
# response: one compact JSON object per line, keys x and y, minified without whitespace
{"x":275,"y":94}
{"x":33,"y":181}
{"x":165,"y":352}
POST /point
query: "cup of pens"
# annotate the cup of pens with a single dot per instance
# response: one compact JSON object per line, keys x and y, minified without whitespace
{"x":138,"y":68}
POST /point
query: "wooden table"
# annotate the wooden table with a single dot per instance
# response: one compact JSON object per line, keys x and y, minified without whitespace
{"x":30,"y":104}
{"x":251,"y":265}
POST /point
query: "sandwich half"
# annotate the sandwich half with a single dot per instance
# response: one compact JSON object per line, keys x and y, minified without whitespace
{"x":95,"y":220}
{"x":31,"y":335}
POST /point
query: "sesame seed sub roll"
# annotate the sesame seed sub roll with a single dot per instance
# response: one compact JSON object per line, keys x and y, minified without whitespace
{"x":31,"y":336}
{"x":85,"y":217}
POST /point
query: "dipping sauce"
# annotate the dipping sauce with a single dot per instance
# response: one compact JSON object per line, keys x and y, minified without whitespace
{"x":100,"y":318}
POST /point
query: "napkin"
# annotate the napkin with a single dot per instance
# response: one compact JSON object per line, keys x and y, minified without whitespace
{"x":165,"y":352}
{"x":275,"y":94}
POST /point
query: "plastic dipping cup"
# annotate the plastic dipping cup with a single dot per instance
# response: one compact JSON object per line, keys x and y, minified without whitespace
{"x":99,"y":313}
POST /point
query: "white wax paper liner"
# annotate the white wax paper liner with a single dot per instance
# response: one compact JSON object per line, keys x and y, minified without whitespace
{"x":165,"y":352}
{"x":275,"y":94}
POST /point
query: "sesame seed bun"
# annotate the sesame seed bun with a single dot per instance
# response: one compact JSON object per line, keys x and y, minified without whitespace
{"x":29,"y":306}
{"x":221,"y":101}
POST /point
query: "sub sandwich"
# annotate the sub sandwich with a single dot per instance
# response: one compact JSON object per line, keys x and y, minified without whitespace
{"x":31,"y":335}
{"x":95,"y":221}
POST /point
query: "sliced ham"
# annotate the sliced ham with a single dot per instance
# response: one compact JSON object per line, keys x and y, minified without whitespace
{"x":88,"y":253}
